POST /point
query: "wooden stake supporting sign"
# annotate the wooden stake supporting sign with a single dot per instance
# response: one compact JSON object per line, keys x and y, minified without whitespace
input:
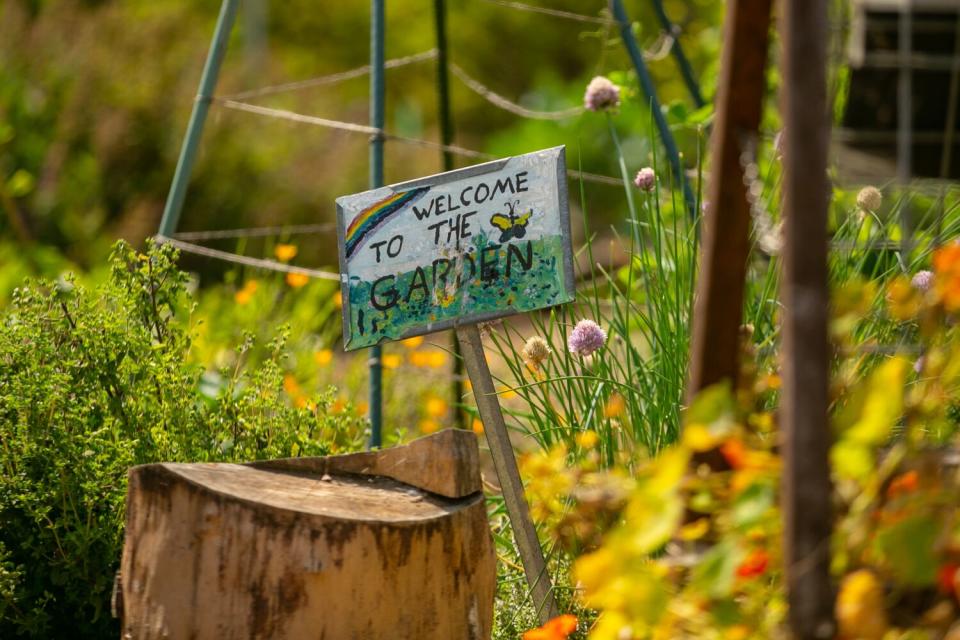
{"x":452,"y":250}
{"x":506,"y":465}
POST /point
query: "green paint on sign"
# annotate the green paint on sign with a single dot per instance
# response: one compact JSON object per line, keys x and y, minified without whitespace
{"x":461,"y":247}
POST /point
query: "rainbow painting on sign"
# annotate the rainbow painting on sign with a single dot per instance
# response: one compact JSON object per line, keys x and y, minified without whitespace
{"x":456,"y":248}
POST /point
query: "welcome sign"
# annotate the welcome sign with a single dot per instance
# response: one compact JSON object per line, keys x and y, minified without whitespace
{"x":459,"y":247}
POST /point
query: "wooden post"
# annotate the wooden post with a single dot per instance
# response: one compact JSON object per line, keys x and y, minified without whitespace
{"x":501,"y":450}
{"x":384,"y":544}
{"x":804,"y":418}
{"x":726,"y":226}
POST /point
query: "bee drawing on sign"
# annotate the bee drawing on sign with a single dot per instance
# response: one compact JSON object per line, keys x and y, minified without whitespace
{"x":512,"y":225}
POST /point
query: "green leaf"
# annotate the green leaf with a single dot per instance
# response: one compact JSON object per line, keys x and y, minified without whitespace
{"x":713,"y":404}
{"x":907,"y":547}
{"x":715,"y":574}
{"x":752,"y":504}
{"x":20,"y":183}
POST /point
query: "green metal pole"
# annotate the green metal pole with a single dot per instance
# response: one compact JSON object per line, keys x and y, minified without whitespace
{"x":377,"y":98}
{"x":646,"y":83}
{"x":686,"y":70}
{"x":188,"y":151}
{"x":446,"y":137}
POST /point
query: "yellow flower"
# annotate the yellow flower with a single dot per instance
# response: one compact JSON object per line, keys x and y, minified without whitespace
{"x":615,"y":406}
{"x":323,"y":357}
{"x":695,"y":530}
{"x":738,"y":632}
{"x":363,"y":408}
{"x":697,"y":437}
{"x":506,"y":393}
{"x":903,"y":300}
{"x":413,"y":343}
{"x":244,"y":295}
{"x":436,"y":407}
{"x":433,"y":359}
{"x":285,"y":252}
{"x":297,"y":280}
{"x":391,"y":360}
{"x":338,"y":405}
{"x":477,"y":426}
{"x":587,"y":439}
{"x":429,"y":426}
{"x":338,"y":300}
{"x":860,"y":606}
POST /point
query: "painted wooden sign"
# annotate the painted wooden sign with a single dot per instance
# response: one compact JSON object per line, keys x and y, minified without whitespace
{"x":459,"y":247}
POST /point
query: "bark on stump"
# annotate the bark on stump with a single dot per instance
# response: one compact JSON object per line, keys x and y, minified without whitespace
{"x":385,"y":544}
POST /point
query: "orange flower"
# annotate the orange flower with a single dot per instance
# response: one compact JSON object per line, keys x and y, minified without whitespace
{"x":556,"y":629}
{"x":323,"y":357}
{"x":290,"y":384}
{"x":773,"y":381}
{"x":285,"y":252}
{"x":754,"y":565}
{"x":477,"y":426}
{"x":297,"y":280}
{"x":947,"y":576}
{"x":946,"y":265}
{"x":615,"y":406}
{"x":429,"y":426}
{"x":338,"y":300}
{"x":903,"y":483}
{"x":735,"y":452}
{"x":246,"y":293}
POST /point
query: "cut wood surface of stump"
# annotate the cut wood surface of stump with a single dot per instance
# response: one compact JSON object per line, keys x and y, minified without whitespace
{"x":385,"y":544}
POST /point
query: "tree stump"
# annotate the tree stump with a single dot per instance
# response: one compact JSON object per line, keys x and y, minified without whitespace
{"x":385,"y":544}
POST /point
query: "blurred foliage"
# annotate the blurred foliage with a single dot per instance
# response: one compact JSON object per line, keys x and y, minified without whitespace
{"x":94,"y":98}
{"x":682,"y":548}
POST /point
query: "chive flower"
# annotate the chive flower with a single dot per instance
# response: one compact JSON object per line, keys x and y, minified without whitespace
{"x":535,"y":352}
{"x":586,"y":338}
{"x":601,"y":95}
{"x":646,"y":179}
{"x":922,"y":280}
{"x":869,"y":199}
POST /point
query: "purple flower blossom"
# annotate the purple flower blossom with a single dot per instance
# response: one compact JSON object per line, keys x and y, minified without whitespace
{"x":646,"y":179}
{"x":586,"y":338}
{"x":601,"y":95}
{"x":918,"y":365}
{"x":922,"y":280}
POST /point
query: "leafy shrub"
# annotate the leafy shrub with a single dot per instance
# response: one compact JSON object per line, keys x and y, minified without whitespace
{"x":93,"y":381}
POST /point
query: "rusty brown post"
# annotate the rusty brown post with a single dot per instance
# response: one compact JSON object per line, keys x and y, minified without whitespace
{"x":806,"y":486}
{"x":726,"y":224}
